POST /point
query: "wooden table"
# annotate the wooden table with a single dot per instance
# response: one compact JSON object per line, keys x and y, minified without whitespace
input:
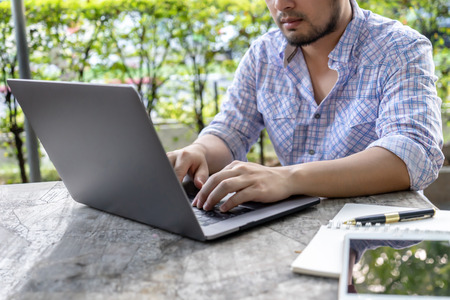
{"x":55,"y":248}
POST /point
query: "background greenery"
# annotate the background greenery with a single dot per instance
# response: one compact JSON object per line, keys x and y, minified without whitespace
{"x":422,"y":269}
{"x":179,"y":54}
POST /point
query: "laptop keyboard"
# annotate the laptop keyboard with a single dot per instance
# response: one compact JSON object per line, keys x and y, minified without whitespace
{"x":206,"y":218}
{"x":213,"y":216}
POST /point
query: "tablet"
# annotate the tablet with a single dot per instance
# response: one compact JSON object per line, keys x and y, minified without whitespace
{"x":402,"y":265}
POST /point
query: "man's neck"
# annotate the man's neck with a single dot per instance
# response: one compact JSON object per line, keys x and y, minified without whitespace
{"x":320,"y":49}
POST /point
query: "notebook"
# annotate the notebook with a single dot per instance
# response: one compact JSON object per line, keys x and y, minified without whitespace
{"x":108,"y":154}
{"x":323,"y":255}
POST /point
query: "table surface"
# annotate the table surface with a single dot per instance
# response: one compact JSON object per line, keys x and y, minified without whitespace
{"x":53,"y":247}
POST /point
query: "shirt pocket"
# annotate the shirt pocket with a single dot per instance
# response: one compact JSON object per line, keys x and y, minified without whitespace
{"x":357,"y":112}
{"x":355,"y":126}
{"x":280,"y":117}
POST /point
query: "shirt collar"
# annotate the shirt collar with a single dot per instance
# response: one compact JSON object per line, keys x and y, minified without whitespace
{"x":289,"y":53}
{"x":286,"y":51}
{"x":343,"y":49}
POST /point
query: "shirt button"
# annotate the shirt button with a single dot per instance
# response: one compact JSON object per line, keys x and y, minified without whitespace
{"x":317,"y":116}
{"x":312,"y":152}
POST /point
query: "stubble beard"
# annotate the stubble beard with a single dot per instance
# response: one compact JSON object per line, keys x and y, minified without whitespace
{"x":316,"y":32}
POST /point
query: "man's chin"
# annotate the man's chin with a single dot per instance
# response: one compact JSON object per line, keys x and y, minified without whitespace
{"x":296,"y":41}
{"x":295,"y":38}
{"x":300,"y":40}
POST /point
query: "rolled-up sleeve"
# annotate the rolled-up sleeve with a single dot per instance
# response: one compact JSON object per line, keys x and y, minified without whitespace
{"x":409,"y":122}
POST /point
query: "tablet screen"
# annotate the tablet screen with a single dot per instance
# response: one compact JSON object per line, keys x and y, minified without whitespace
{"x":399,"y":267}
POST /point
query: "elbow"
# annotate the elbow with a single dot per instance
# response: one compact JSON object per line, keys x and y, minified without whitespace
{"x":426,"y":172}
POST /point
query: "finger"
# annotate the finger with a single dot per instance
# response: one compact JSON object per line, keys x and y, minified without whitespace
{"x":240,"y":197}
{"x":210,"y":185}
{"x":171,"y":157}
{"x":200,"y":175}
{"x":224,"y":188}
{"x":181,"y":168}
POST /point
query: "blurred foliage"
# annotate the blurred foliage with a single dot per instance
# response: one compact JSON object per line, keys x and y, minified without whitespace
{"x":172,"y":51}
{"x":10,"y":174}
{"x":423,"y":269}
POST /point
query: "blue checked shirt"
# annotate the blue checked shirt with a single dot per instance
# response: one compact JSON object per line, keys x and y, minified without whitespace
{"x":385,"y":96}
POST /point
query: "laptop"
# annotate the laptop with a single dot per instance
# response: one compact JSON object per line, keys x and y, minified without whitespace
{"x":108,"y":154}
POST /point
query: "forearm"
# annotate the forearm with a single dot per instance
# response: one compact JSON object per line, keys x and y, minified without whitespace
{"x":372,"y":171}
{"x":216,"y":152}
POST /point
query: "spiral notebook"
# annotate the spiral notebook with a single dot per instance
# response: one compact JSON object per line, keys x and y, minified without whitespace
{"x":323,"y":255}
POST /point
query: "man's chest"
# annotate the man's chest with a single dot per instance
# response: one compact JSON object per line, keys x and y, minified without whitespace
{"x":287,"y":103}
{"x":322,"y":83}
{"x":321,"y":78}
{"x":343,"y":94}
{"x":305,"y":130}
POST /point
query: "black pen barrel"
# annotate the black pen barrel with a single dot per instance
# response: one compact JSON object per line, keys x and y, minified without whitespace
{"x":416,"y":213}
{"x":381,"y":218}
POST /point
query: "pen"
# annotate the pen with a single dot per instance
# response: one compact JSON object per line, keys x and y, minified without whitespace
{"x":401,"y":216}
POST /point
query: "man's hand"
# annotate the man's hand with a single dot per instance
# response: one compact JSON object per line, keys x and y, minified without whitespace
{"x":372,"y":171}
{"x":207,"y":155}
{"x":249,"y":182}
{"x":191,"y":161}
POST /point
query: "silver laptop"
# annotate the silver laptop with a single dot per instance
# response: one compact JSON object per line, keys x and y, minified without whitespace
{"x":107,"y":152}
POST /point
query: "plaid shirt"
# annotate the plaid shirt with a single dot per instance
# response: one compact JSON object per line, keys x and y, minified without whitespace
{"x":385,"y":96}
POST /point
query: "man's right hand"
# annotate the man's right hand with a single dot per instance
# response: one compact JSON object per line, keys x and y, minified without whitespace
{"x":191,"y":161}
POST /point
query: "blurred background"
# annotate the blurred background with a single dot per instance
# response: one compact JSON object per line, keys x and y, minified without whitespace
{"x":179,"y":54}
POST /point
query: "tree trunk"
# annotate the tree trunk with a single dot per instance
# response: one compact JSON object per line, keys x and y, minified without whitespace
{"x":261,"y":147}
{"x":19,"y":153}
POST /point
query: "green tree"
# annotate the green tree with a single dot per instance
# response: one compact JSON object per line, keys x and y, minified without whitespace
{"x":251,"y":19}
{"x":66,"y":37}
{"x":146,"y":42}
{"x":12,"y":124}
{"x":199,"y":37}
{"x":143,"y":45}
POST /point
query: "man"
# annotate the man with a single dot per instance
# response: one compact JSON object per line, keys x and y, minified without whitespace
{"x":348,"y":100}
